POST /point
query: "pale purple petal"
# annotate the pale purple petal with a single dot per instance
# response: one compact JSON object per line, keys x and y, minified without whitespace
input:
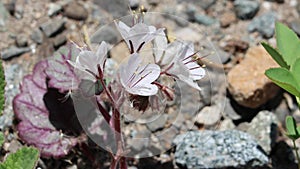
{"x":160,"y":44}
{"x":137,"y":78}
{"x":101,"y":53}
{"x":139,"y":34}
{"x":189,"y":81}
{"x":144,"y":90}
{"x":196,"y":71}
{"x":128,"y":69}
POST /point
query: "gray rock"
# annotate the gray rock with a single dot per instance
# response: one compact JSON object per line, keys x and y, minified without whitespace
{"x":264,"y":128}
{"x":264,"y":24}
{"x":209,"y":115}
{"x":246,"y":9}
{"x":190,"y":101}
{"x":139,"y":138}
{"x":295,"y":25}
{"x":116,"y":8}
{"x":153,"y":2}
{"x":3,"y":14}
{"x":19,"y":11}
{"x":76,"y":11}
{"x":278,"y":1}
{"x":51,"y":28}
{"x":218,"y":149}
{"x":13,"y":51}
{"x":11,"y":7}
{"x":229,"y":110}
{"x":21,"y":41}
{"x":134,"y":4}
{"x":54,"y":9}
{"x":105,"y":33}
{"x":298,"y":8}
{"x":158,"y":123}
{"x":37,"y":36}
{"x":205,"y":4}
{"x":59,"y":41}
{"x":204,"y":19}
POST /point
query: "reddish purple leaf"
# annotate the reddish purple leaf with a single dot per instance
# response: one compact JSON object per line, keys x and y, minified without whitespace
{"x":61,"y":73}
{"x":35,"y":127}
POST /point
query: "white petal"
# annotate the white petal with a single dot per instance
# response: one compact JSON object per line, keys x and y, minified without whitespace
{"x":128,"y":69}
{"x":123,"y":29}
{"x":145,"y":90}
{"x":86,"y":59}
{"x":101,"y":53}
{"x":159,"y":46}
{"x":196,"y":71}
{"x":172,"y":51}
{"x":147,"y":74}
{"x":189,"y":81}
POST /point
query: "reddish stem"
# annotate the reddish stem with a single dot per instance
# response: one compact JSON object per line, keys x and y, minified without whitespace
{"x":104,"y":113}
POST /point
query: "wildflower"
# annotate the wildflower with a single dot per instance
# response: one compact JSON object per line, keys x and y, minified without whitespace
{"x":178,"y":60}
{"x":91,"y":63}
{"x":138,"y":35}
{"x":137,"y":79}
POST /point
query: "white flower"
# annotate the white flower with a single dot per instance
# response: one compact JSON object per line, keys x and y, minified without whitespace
{"x":138,"y":35}
{"x":88,"y":62}
{"x":137,"y":79}
{"x":177,"y":60}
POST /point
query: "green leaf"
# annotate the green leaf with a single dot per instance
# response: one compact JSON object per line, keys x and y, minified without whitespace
{"x":275,"y":55}
{"x":288,"y":43}
{"x":2,"y":88}
{"x":285,"y":79}
{"x":298,"y":101}
{"x":24,"y":158}
{"x":292,"y":132}
{"x":2,"y":139}
{"x":295,"y":69}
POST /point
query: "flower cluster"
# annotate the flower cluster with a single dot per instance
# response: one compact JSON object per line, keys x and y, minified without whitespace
{"x":176,"y":60}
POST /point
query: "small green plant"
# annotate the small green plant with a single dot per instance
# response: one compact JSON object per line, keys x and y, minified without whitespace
{"x":287,"y":76}
{"x":24,"y":158}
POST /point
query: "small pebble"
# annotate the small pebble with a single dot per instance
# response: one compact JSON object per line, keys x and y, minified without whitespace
{"x":51,"y":28}
{"x":59,"y":41}
{"x":13,"y":51}
{"x":21,"y":41}
{"x":37,"y":36}
{"x":75,"y":11}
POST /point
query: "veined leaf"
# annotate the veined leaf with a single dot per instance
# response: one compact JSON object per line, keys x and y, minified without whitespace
{"x":285,"y":79}
{"x":24,"y":158}
{"x":35,"y":127}
{"x":288,"y":43}
{"x":275,"y":55}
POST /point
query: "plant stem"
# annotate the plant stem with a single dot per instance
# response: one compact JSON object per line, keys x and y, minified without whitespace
{"x":297,"y":155}
{"x":298,"y":101}
{"x":104,"y":113}
{"x":123,"y":164}
{"x":113,"y":164}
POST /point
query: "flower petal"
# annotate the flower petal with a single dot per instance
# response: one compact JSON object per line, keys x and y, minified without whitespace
{"x":189,"y":81}
{"x":144,"y":90}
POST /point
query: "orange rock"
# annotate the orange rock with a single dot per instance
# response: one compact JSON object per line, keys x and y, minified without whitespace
{"x":247,"y":82}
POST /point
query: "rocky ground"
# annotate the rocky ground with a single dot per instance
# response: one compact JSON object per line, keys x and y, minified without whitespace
{"x":238,"y":117}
